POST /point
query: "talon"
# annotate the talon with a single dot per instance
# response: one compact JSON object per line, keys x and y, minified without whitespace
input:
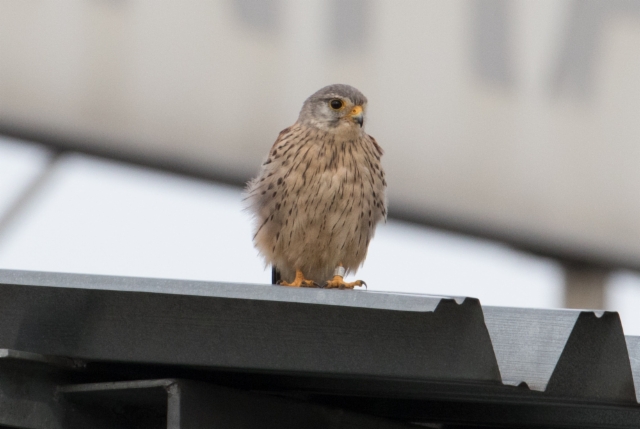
{"x":309,"y":283}
{"x":299,"y":281}
{"x":338,"y":283}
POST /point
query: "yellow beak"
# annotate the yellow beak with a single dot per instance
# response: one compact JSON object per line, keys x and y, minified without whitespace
{"x":357,"y":114}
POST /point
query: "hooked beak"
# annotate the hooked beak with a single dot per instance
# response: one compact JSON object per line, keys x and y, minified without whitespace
{"x":357,"y":114}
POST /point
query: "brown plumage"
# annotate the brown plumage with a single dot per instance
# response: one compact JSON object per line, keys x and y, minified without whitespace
{"x":320,"y":192}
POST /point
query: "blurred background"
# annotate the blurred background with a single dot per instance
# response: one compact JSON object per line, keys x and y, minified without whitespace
{"x":511,"y":131}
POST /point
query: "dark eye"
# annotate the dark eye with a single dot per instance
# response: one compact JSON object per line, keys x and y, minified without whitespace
{"x":336,"y":104}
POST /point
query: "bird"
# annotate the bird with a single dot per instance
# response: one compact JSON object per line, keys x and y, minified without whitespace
{"x":320,"y":193}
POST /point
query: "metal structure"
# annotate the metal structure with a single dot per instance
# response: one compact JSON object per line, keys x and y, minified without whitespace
{"x":115,"y":352}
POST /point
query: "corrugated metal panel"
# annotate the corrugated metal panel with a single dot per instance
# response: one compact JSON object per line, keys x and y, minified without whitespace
{"x":241,"y":327}
{"x":578,"y":354}
{"x":409,"y":358}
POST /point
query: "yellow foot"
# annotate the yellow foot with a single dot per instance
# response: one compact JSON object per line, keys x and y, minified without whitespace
{"x":299,"y":281}
{"x":338,"y":283}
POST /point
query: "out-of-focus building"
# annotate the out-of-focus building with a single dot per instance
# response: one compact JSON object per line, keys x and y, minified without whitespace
{"x":514,"y":120}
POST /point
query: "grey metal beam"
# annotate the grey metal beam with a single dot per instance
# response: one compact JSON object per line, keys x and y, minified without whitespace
{"x":562,"y":352}
{"x":246,"y":327}
{"x":28,"y":383}
{"x":39,"y":392}
{"x":528,"y":342}
{"x":29,"y":395}
{"x":400,"y":356}
{"x":633,"y":346}
{"x":202,"y":405}
{"x":504,"y":414}
{"x":595,"y":362}
{"x":126,"y":405}
{"x":185,"y":404}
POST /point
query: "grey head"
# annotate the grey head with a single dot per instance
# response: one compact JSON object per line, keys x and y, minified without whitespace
{"x":335,"y":107}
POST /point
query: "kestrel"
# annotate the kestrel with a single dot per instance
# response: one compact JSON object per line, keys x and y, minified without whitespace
{"x":320,"y":192}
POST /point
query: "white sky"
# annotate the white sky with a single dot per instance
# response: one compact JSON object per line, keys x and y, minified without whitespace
{"x":102,"y":217}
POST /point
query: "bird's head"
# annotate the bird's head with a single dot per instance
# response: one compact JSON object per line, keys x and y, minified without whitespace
{"x":336,"y":108}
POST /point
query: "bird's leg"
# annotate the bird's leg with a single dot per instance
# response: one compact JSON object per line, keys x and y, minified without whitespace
{"x":299,"y":281}
{"x":338,"y":280}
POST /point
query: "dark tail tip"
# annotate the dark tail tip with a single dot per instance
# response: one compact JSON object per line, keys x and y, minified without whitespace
{"x":275,"y":276}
